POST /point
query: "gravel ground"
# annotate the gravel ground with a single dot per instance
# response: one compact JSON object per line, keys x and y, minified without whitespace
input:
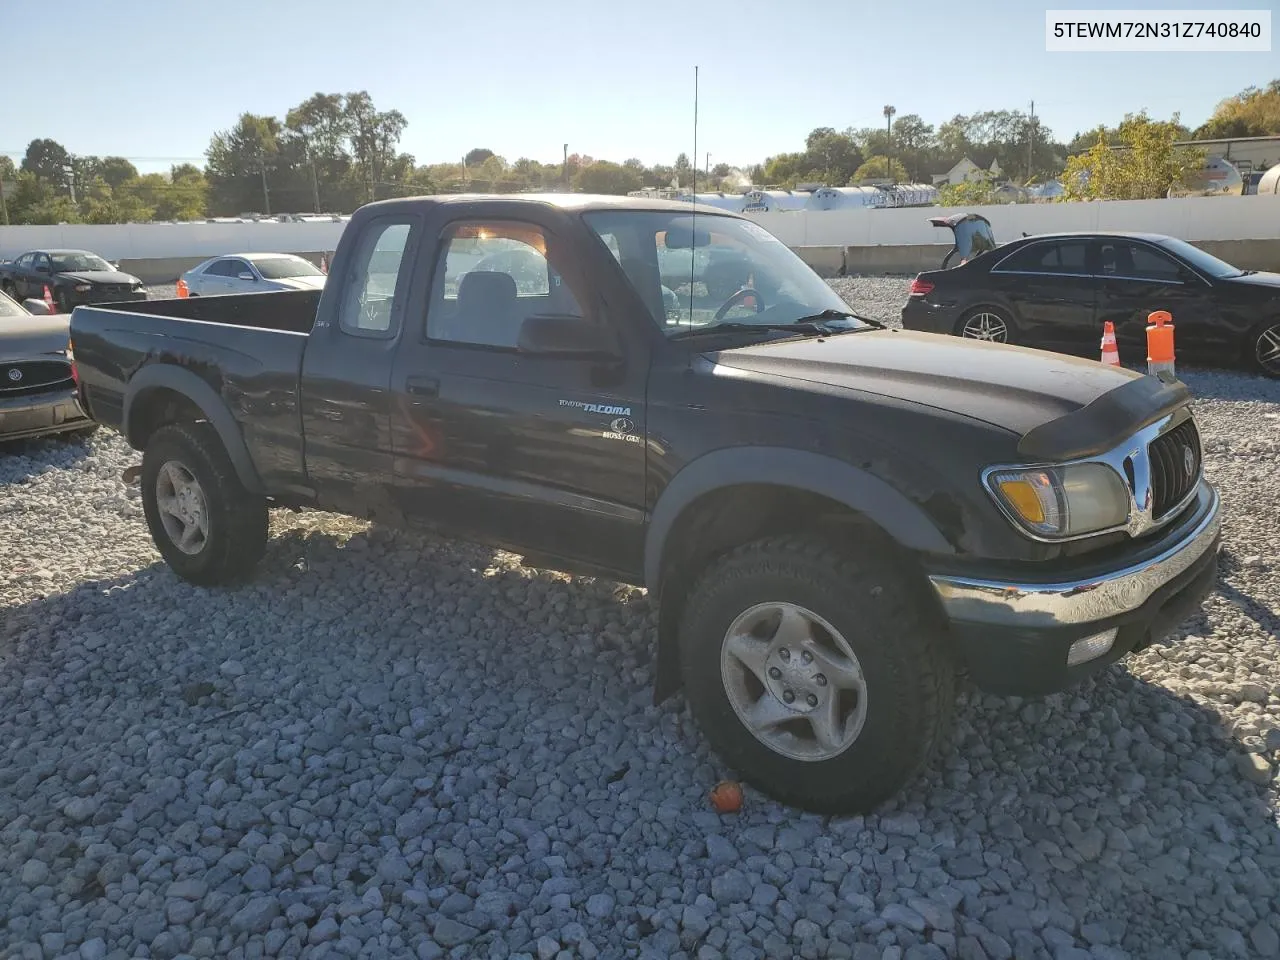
{"x":394,"y":746}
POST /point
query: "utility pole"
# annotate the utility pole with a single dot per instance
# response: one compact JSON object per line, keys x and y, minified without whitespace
{"x":266,"y":194}
{"x":708,"y":171}
{"x":889,"y":111}
{"x":315,"y":183}
{"x":71,"y":181}
{"x":4,"y":206}
{"x":1031,"y":139}
{"x":566,"y":168}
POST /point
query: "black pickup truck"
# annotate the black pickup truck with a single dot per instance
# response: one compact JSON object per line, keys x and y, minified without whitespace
{"x":834,"y":518}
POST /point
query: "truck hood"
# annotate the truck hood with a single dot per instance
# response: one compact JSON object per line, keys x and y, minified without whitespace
{"x":1015,"y":388}
{"x":31,"y":336}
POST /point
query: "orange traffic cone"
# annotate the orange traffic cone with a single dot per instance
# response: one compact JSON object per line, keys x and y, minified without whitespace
{"x":1110,"y":354}
{"x":183,"y":292}
{"x":1160,"y":345}
{"x":48,"y":298}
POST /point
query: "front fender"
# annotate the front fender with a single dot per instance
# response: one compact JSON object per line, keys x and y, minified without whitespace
{"x":814,"y":473}
{"x":212,"y":405}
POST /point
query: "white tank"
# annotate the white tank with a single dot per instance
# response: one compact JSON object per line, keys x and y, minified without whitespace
{"x":1270,"y":182}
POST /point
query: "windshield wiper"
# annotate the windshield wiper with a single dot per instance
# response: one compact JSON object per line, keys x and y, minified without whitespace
{"x":840,"y":315}
{"x":735,"y":326}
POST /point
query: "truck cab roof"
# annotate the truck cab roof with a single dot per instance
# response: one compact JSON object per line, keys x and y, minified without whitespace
{"x":580,"y":202}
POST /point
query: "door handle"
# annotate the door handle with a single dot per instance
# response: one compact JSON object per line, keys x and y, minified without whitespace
{"x":423,"y":386}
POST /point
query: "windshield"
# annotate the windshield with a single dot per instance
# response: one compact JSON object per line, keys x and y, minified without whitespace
{"x":282,"y":268}
{"x":78,"y":263}
{"x":9,"y":308}
{"x":691,"y":280}
{"x":1204,"y":262}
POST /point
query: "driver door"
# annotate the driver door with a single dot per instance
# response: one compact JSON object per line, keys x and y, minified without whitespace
{"x":535,"y":453}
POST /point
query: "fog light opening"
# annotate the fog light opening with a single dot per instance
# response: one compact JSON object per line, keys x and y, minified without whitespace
{"x":1091,"y":647}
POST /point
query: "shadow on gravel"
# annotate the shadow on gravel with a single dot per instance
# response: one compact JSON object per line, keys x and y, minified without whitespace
{"x":1120,"y":801}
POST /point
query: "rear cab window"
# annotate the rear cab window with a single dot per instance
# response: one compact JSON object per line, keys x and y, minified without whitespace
{"x":376,"y":285}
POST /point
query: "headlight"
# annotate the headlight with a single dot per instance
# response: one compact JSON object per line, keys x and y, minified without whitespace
{"x":83,"y":287}
{"x":1062,"y":502}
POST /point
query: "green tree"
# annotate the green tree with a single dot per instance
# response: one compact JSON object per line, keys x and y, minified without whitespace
{"x":1254,"y":112}
{"x":236,"y":161}
{"x":47,"y":161}
{"x":1143,"y":167}
{"x":476,"y":156}
{"x":605,"y":177}
{"x":913,"y":144}
{"x":968,"y":193}
{"x":880,"y":168}
{"x":831,"y":157}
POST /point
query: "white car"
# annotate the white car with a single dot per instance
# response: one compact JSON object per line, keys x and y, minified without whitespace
{"x":252,"y":273}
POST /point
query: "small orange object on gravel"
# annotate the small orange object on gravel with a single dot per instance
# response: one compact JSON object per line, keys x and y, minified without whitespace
{"x":726,"y":797}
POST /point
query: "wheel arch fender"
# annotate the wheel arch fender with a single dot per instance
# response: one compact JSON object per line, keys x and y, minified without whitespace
{"x":802,"y":470}
{"x":214,"y":408}
{"x":898,"y":517}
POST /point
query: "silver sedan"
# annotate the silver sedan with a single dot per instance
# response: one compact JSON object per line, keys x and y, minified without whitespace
{"x":252,"y":273}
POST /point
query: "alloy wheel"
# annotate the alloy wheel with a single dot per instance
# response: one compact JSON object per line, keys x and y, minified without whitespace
{"x":986,"y":326}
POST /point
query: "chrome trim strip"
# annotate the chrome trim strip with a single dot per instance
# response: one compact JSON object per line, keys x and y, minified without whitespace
{"x":1002,"y":603}
{"x":1141,"y":495}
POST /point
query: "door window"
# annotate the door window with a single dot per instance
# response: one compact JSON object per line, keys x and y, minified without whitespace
{"x":1150,"y":265}
{"x":374,"y":287}
{"x":1067,"y":257}
{"x":25,"y":261}
{"x":490,"y":277}
{"x":219,"y":268}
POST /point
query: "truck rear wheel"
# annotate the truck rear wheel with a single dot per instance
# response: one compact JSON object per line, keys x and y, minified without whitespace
{"x":206,"y":525}
{"x":814,"y":674}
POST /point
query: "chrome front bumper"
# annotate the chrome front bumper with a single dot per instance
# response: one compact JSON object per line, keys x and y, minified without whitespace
{"x":1062,"y":604}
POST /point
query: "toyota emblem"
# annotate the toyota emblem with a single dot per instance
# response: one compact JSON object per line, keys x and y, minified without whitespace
{"x":15,"y":374}
{"x":1188,"y":460}
{"x":622,"y":425}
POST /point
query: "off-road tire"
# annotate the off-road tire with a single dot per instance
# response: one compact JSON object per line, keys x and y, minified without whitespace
{"x":909,"y":676}
{"x":237,"y":518}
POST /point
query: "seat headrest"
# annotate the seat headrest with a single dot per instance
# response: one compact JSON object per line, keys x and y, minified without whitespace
{"x":486,"y":288}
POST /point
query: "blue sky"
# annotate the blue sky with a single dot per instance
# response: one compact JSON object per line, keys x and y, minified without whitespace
{"x":146,"y":80}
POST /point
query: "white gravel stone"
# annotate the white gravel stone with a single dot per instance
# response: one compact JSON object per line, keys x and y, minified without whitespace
{"x":380,"y":724}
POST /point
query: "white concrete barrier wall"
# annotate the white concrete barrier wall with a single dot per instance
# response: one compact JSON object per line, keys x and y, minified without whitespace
{"x":1190,"y":218}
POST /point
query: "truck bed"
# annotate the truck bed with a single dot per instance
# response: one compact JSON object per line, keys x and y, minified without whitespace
{"x":292,"y":311}
{"x":255,"y":369}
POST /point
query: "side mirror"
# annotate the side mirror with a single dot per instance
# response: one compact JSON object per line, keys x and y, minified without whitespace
{"x":36,"y":307}
{"x":568,"y":336}
{"x":247,"y":276}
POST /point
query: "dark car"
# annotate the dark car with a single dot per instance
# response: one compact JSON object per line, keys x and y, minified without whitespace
{"x":1056,"y":291}
{"x":830,"y":517}
{"x":74,"y":277}
{"x":37,"y":381}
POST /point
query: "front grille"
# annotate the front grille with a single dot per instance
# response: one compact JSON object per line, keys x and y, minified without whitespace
{"x":1175,"y":467}
{"x":111,"y":290}
{"x":23,"y":377}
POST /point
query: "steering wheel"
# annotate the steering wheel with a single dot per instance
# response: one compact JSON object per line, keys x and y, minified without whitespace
{"x":737,"y":298}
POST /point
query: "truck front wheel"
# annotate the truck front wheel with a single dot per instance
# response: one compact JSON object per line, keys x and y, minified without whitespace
{"x":814,"y":674}
{"x":206,"y":525}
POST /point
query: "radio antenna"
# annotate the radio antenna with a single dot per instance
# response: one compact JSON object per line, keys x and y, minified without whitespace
{"x":693,"y":229}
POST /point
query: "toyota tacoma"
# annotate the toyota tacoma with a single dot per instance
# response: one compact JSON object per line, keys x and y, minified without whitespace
{"x":833,"y":518}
